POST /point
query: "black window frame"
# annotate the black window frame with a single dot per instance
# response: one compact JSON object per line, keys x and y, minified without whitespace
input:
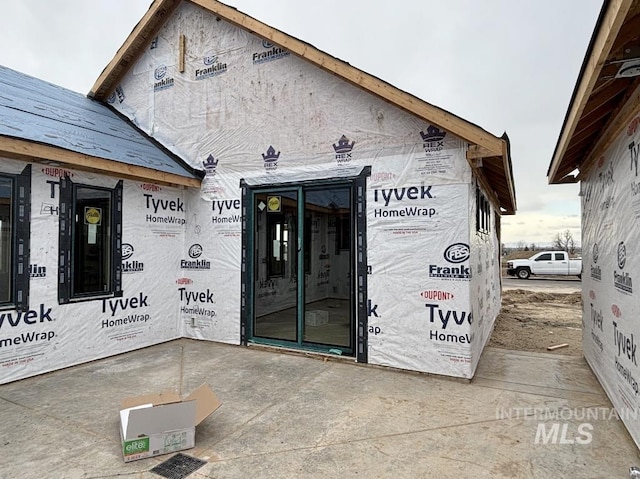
{"x":20,"y":240}
{"x":483,"y":213}
{"x":66,"y":264}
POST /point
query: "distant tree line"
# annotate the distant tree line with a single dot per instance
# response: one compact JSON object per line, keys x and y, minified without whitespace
{"x":563,"y":241}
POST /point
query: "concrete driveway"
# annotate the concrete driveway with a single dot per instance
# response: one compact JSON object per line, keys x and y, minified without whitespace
{"x":288,"y":415}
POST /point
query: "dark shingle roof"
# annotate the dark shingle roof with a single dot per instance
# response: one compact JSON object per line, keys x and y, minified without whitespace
{"x":37,"y":111}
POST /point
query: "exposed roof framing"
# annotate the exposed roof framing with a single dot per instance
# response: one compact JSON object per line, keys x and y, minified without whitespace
{"x":494,"y":148}
{"x":601,"y":103}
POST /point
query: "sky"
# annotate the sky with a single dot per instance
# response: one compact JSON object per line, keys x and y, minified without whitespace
{"x":505,"y":65}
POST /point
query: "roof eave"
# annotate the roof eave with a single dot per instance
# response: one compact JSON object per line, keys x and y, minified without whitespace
{"x":610,"y":20}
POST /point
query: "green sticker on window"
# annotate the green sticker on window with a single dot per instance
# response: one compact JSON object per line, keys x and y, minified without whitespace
{"x":136,"y":446}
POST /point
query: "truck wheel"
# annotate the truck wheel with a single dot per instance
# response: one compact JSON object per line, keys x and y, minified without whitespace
{"x":523,"y":273}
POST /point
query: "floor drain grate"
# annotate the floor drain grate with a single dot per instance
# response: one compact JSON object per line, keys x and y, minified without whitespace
{"x":178,"y":467}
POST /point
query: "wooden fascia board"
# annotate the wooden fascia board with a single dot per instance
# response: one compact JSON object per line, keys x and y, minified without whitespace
{"x":124,"y":58}
{"x":387,"y":92}
{"x":29,"y":151}
{"x":620,"y":121}
{"x":611,"y":24}
{"x":506,"y":167}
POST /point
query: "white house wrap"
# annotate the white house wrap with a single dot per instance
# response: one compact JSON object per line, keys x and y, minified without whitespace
{"x":387,"y":206}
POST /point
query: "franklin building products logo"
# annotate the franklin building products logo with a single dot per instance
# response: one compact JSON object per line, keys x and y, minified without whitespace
{"x":272,"y":53}
{"x":433,"y":139}
{"x":270,"y":159}
{"x":130,"y":266}
{"x":162,"y":80}
{"x":455,"y":254}
{"x":596,"y":271}
{"x":36,"y":271}
{"x":212,"y":67}
{"x":622,"y":281}
{"x":343,"y":150}
{"x":195,"y":251}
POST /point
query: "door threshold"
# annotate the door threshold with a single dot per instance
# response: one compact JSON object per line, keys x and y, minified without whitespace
{"x":303,"y":352}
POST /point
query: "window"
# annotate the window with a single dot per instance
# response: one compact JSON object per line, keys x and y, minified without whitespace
{"x":559,"y":256}
{"x":483,"y":213}
{"x":544,"y":257}
{"x":15,"y":217}
{"x":90,"y":242}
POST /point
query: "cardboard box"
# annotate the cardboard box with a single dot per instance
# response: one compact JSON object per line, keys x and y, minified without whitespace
{"x":163,"y":423}
{"x":316,"y":318}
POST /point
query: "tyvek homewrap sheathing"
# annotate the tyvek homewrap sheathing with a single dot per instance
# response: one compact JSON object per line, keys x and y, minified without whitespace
{"x":244,"y":108}
{"x":611,"y":264}
{"x":51,"y":336}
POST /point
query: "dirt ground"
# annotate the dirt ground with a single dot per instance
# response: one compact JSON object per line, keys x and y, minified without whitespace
{"x":533,"y":321}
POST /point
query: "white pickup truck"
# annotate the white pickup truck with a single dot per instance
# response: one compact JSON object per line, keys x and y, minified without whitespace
{"x":545,"y":263}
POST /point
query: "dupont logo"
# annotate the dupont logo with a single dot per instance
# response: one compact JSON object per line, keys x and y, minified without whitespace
{"x":633,"y":126}
{"x":435,"y":294}
{"x":457,"y":253}
{"x":136,"y":446}
{"x":615,"y":310}
{"x":184,"y":281}
{"x":150,"y":187}
{"x":622,"y":281}
{"x":195,"y":251}
{"x":57,"y":172}
{"x":592,"y":294}
{"x":162,"y":80}
{"x":132,"y":266}
{"x":454,"y":254}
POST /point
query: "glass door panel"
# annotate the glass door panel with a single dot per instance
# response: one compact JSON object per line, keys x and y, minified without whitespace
{"x":276,"y":263}
{"x":327,"y":266}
